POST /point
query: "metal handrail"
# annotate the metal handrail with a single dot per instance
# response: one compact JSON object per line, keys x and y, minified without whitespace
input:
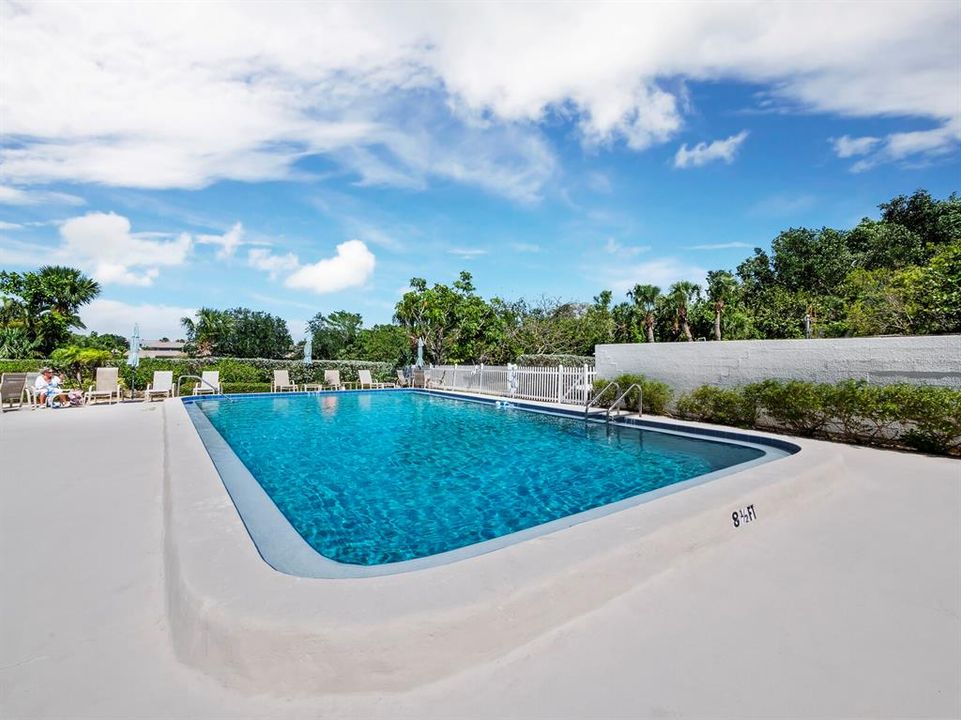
{"x":197,"y":377}
{"x":587,"y":406}
{"x":617,"y":403}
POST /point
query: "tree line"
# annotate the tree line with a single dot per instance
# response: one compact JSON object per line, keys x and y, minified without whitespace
{"x":899,"y":274}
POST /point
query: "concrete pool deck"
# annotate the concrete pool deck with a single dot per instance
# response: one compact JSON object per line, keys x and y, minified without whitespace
{"x":842,"y":599}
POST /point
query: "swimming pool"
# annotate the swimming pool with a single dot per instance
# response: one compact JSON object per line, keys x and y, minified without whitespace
{"x":383,"y":480}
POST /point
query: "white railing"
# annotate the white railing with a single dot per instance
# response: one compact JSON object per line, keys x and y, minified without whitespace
{"x":570,"y":385}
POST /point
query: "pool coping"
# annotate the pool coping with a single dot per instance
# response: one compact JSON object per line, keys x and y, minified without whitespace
{"x":234,"y":617}
{"x":285,"y":550}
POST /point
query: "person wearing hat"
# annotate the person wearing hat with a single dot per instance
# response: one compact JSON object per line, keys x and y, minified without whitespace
{"x":47,"y":387}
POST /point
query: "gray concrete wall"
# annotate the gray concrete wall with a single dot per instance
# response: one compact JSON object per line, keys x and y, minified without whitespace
{"x":929,"y":360}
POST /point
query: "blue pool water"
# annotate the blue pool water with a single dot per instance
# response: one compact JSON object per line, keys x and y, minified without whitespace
{"x":380,"y":477}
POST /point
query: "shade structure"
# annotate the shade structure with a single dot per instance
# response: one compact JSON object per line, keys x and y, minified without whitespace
{"x":308,"y":350}
{"x":420,"y":352}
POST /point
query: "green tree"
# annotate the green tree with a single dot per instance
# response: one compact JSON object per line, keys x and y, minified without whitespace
{"x":79,"y":361}
{"x":207,"y":331}
{"x":45,"y":303}
{"x":721,"y":290}
{"x":238,"y":332}
{"x":385,"y":343}
{"x":335,"y":336}
{"x":680,"y":297}
{"x":645,"y":299}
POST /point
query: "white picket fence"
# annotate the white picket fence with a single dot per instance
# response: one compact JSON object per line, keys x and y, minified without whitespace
{"x":570,"y":385}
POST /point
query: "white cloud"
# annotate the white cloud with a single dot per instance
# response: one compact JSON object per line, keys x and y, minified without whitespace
{"x":228,"y":242}
{"x":102,"y":244}
{"x":917,"y":145}
{"x":847,"y":146}
{"x":113,"y":316}
{"x":350,"y":267}
{"x":466,"y":253}
{"x":612,"y":247}
{"x":10,"y":195}
{"x":703,"y":153}
{"x":401,"y":94}
{"x":273,"y":265}
{"x":720,"y":246}
{"x":4,"y":225}
{"x":662,"y":272}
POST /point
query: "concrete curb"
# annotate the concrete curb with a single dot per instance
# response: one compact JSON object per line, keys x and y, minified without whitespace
{"x":237,"y":619}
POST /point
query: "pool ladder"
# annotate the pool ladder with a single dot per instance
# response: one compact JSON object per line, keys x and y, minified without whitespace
{"x":618,"y":402}
{"x":197,"y":377}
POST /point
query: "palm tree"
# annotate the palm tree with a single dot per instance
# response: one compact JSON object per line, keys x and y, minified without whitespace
{"x":65,"y":289}
{"x":209,"y":331}
{"x":645,"y":298}
{"x":721,"y":287}
{"x":682,"y":294}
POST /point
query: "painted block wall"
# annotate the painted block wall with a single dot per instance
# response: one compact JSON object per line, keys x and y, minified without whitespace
{"x":927,"y":360}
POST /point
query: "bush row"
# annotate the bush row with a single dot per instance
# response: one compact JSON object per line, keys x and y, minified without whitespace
{"x":546,"y":360}
{"x":232,"y":370}
{"x":921,"y":417}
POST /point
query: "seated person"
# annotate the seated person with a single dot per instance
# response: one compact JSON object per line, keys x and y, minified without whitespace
{"x":47,"y":387}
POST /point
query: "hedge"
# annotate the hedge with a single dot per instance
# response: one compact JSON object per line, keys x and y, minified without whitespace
{"x":919,"y":417}
{"x":232,"y":370}
{"x":655,"y":395}
{"x":546,"y":360}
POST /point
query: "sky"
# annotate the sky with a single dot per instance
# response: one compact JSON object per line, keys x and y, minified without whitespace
{"x":304,"y":158}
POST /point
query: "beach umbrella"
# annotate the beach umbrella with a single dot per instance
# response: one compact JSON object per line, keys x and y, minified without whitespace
{"x":133,"y":356}
{"x":308,"y":350}
{"x":420,"y":352}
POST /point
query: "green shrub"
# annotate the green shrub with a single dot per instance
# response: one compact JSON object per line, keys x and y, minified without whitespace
{"x":656,"y":396}
{"x":797,"y":404}
{"x":933,"y":418}
{"x":546,"y":360}
{"x":718,"y":405}
{"x":243,"y":387}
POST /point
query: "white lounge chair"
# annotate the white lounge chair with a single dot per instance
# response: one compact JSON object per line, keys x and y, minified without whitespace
{"x":402,"y":380}
{"x":210,"y":383}
{"x":106,"y":386}
{"x":162,"y":385}
{"x":332,"y":379}
{"x":12,"y":389}
{"x":282,"y":382}
{"x":365,"y":380}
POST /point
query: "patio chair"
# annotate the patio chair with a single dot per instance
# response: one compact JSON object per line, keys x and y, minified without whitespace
{"x":209,"y":384}
{"x":435,"y":382}
{"x":29,"y":391}
{"x":12,"y":387}
{"x":365,"y":380}
{"x":106,"y":386}
{"x":162,"y":385}
{"x":402,"y":380}
{"x":332,"y":379}
{"x":282,"y":382}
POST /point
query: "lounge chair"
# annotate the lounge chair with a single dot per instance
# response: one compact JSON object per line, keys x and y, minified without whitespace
{"x":365,"y":380}
{"x":435,"y":382}
{"x":332,"y":379}
{"x":162,"y":385}
{"x":210,"y":383}
{"x":402,"y":380}
{"x":106,"y":386}
{"x":12,"y":389}
{"x":282,"y":382}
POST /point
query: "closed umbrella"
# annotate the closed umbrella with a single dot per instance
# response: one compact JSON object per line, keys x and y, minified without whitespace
{"x":308,"y":350}
{"x":133,"y":356}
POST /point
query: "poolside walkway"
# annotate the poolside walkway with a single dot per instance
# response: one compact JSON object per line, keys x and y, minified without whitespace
{"x":849,"y":605}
